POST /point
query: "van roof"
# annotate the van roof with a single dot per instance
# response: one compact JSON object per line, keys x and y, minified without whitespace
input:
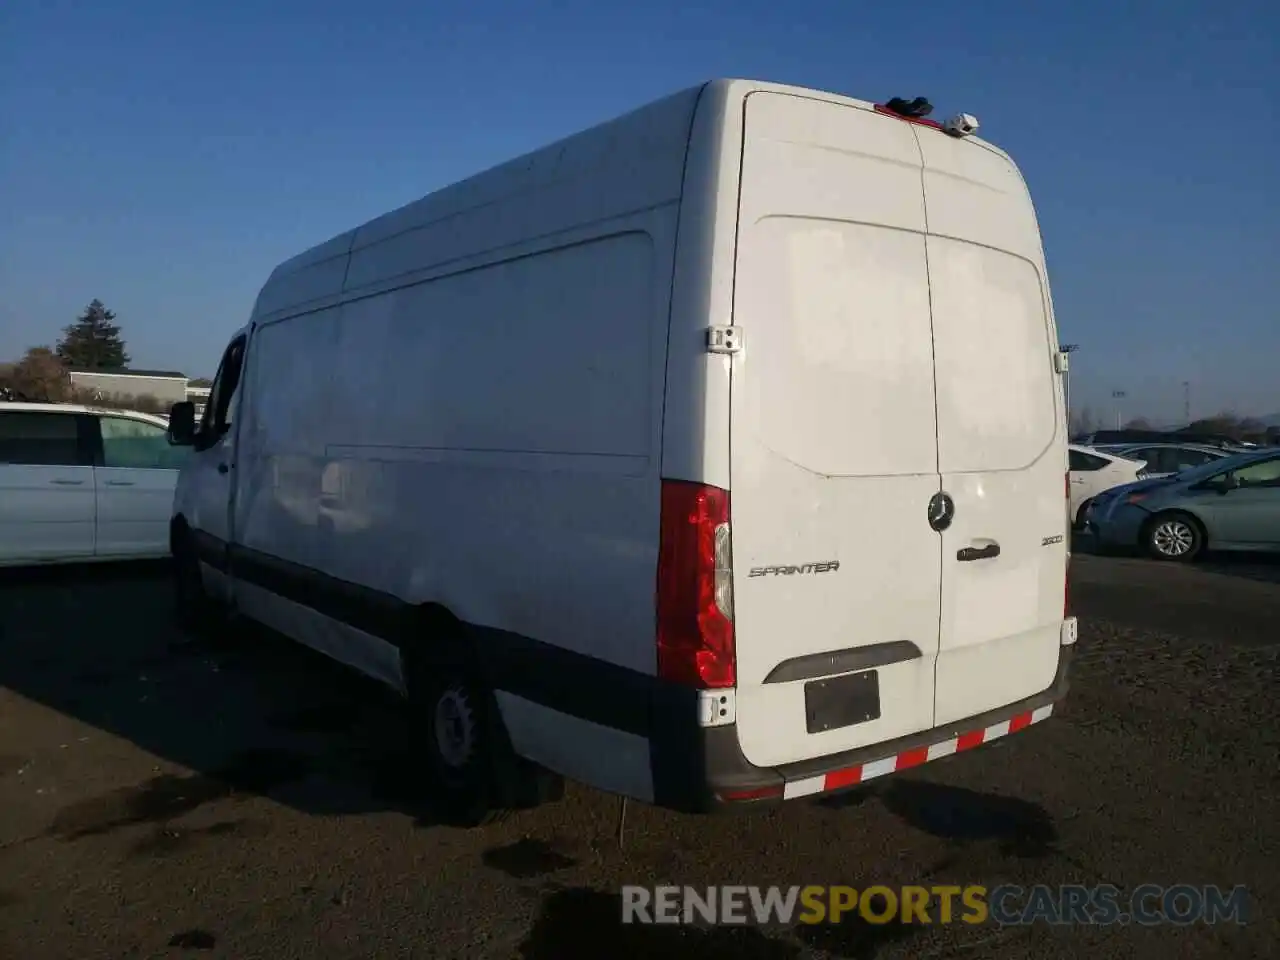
{"x":666,"y":119}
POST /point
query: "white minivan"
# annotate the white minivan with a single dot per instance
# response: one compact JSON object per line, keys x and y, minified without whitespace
{"x":713,"y":455}
{"x":84,"y":484}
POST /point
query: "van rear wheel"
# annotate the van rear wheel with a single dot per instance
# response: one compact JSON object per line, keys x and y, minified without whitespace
{"x":459,"y":737}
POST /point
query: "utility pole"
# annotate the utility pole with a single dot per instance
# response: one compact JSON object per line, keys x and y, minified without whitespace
{"x":1117,"y":396}
{"x":1186,"y":403}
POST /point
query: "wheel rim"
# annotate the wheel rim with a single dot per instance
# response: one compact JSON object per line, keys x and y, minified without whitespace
{"x":1173,"y":538}
{"x":454,"y":728}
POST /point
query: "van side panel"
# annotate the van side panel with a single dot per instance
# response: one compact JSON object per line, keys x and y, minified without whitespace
{"x":459,"y":404}
{"x":487,"y":441}
{"x":418,"y":451}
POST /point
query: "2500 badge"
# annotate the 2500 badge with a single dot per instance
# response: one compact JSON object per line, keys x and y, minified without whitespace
{"x":824,"y":566}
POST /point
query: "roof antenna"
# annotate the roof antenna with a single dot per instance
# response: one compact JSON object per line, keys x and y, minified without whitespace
{"x":917,"y":108}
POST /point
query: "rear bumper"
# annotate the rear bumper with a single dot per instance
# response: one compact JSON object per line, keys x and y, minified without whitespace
{"x":727,"y":779}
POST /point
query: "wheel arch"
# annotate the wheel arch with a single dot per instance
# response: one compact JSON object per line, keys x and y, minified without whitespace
{"x":433,"y":635}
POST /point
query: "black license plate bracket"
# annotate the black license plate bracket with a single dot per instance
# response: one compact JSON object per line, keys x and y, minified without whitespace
{"x":843,"y":701}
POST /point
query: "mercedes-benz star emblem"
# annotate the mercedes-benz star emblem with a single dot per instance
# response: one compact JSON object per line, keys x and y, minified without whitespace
{"x":942,"y":510}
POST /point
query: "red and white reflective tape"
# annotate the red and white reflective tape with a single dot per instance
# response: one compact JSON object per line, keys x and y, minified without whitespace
{"x":849,"y":776}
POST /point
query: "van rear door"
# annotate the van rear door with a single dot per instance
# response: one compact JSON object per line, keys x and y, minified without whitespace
{"x":833,"y":434}
{"x":1001,"y":440}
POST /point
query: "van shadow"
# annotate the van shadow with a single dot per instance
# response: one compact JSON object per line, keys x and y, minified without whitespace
{"x":253,"y":714}
{"x":1019,"y":828}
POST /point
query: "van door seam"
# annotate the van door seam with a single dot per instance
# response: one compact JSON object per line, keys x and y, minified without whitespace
{"x":937,"y":414}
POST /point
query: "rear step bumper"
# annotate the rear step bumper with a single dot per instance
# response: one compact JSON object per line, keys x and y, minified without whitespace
{"x":730,"y":780}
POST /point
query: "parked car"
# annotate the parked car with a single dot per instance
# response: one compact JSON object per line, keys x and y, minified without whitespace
{"x":84,"y":484}
{"x":1091,"y":472}
{"x":1166,"y":459}
{"x":1227,"y":504}
{"x":1101,"y":438}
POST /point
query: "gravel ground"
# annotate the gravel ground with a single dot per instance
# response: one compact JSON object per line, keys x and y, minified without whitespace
{"x":161,"y":800}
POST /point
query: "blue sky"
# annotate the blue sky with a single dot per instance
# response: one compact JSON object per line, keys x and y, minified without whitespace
{"x":164,"y":156}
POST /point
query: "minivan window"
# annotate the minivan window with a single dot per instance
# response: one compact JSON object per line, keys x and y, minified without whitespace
{"x":40,"y":439}
{"x":139,"y":445}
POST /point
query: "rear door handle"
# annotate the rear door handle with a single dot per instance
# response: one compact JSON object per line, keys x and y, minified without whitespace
{"x":67,"y":483}
{"x":119,"y":483}
{"x":988,"y":552}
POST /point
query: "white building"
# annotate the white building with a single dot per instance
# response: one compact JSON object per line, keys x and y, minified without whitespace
{"x":166,"y":386}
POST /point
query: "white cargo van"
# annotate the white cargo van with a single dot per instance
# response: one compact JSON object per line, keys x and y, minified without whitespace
{"x":713,"y":455}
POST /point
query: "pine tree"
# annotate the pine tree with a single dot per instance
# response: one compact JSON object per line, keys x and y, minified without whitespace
{"x":93,"y":341}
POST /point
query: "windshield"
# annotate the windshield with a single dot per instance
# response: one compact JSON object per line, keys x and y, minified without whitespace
{"x":1214,"y":467}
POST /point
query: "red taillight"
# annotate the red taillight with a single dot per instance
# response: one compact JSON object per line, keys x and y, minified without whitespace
{"x":695,"y":606}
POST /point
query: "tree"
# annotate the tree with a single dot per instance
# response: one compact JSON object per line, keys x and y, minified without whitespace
{"x":93,"y":341}
{"x":1139,"y":423}
{"x":1225,"y":424}
{"x":39,"y":377}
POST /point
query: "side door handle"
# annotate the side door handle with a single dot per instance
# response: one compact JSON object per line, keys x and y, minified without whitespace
{"x":67,"y":483}
{"x":119,"y":483}
{"x":988,"y":552}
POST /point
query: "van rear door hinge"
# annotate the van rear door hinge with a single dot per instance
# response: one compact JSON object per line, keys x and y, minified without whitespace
{"x":724,"y":339}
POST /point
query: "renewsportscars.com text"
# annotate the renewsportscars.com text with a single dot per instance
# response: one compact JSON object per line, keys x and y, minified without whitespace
{"x":1006,"y":905}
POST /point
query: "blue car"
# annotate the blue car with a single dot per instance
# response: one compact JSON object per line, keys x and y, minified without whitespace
{"x":1227,"y":504}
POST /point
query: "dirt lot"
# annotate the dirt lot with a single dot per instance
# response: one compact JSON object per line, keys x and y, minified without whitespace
{"x":160,"y":800}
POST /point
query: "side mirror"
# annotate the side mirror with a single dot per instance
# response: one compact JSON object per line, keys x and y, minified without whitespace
{"x":182,"y":424}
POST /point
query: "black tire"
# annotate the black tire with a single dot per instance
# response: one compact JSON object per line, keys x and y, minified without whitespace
{"x":460,"y":743}
{"x":1173,"y":537}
